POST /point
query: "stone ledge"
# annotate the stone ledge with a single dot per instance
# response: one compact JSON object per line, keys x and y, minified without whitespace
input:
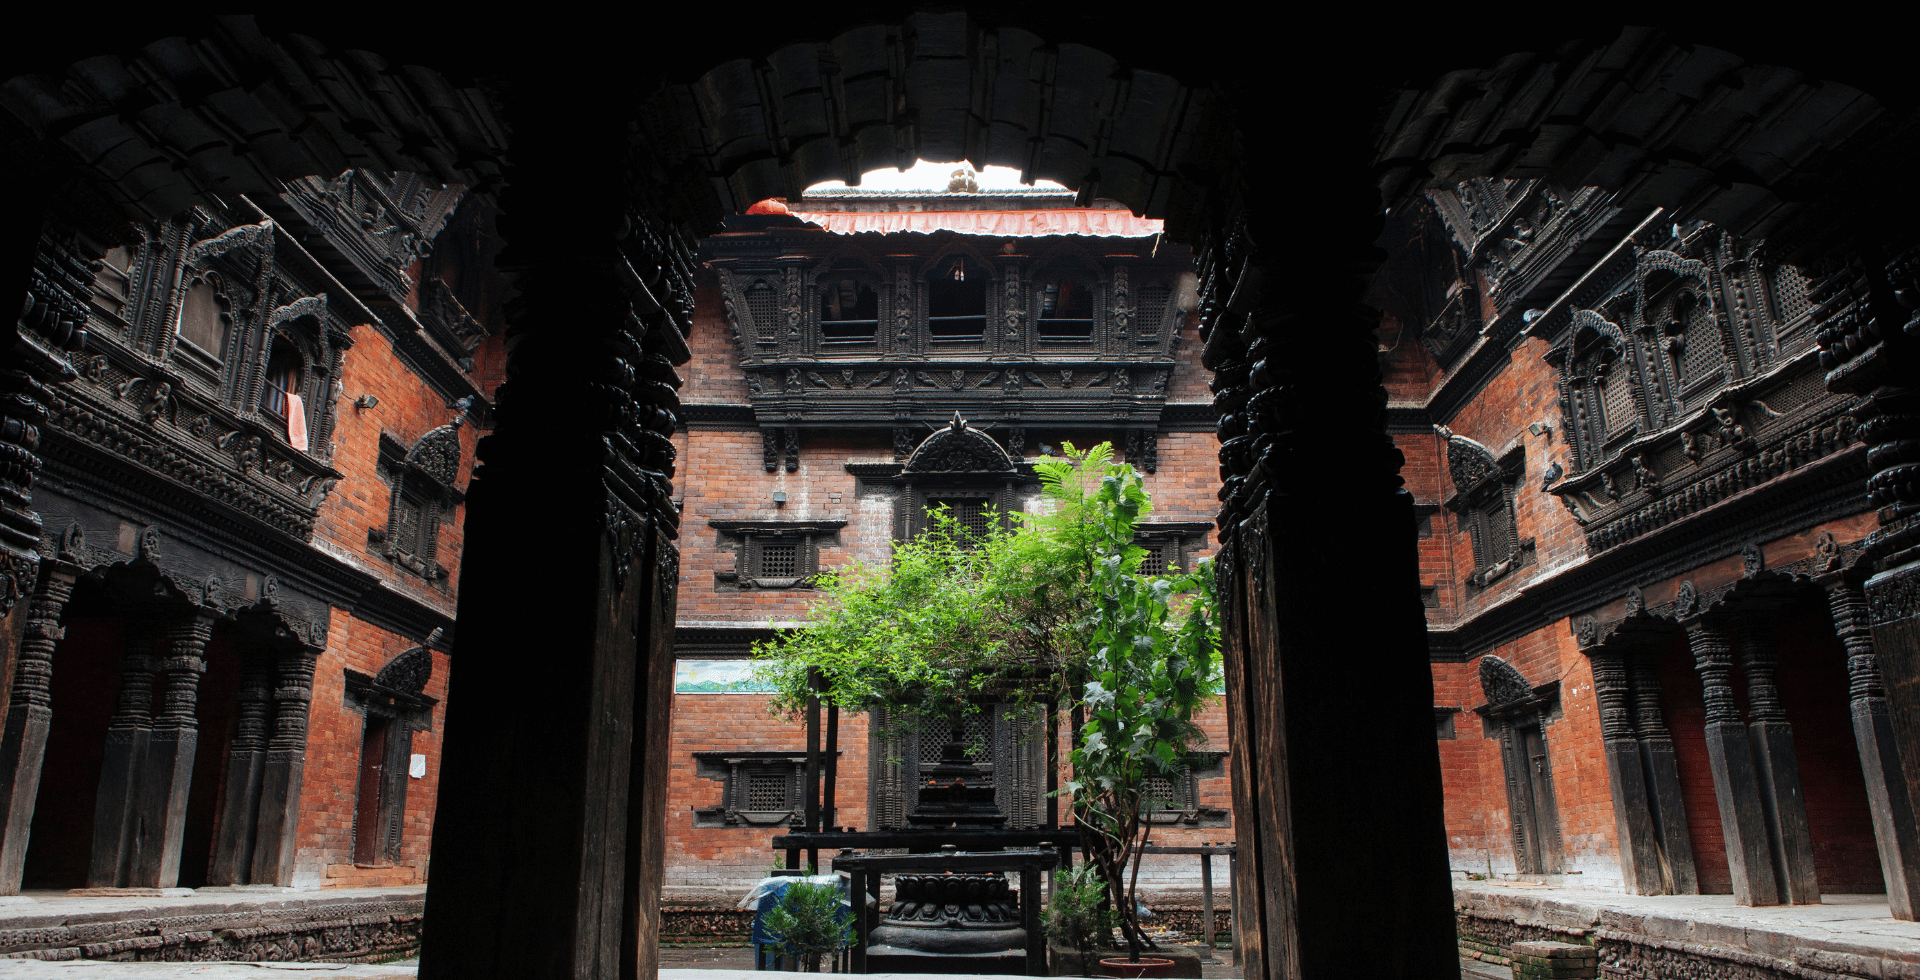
{"x":347,"y":925}
{"x":1703,"y":936}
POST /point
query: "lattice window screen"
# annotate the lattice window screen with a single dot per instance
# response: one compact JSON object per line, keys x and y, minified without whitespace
{"x":1152,"y":309}
{"x":971,"y":513}
{"x":1789,"y":289}
{"x":779,"y":560}
{"x":767,"y":791}
{"x":763,"y":304}
{"x":1621,"y":414}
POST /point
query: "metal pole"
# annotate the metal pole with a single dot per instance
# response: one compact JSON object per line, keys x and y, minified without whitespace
{"x":812,"y":796}
{"x":1206,"y":900}
{"x":828,"y":813}
{"x":1233,"y":896}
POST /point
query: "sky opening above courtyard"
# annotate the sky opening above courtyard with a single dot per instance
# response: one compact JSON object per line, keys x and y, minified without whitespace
{"x":932,"y":196}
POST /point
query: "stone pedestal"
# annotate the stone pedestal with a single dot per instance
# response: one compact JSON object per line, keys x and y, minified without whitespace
{"x":1544,"y":960}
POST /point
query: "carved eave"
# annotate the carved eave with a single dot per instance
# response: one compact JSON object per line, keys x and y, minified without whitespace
{"x":778,"y":528}
{"x":235,"y":459}
{"x":1695,"y":468}
{"x":423,"y":355}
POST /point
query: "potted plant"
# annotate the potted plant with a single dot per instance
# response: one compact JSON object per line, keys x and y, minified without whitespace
{"x":809,"y":922}
{"x":1077,"y":915}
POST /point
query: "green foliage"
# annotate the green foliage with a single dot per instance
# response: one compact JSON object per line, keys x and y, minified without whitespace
{"x":1075,"y":918}
{"x":1055,"y":609}
{"x":810,"y":923}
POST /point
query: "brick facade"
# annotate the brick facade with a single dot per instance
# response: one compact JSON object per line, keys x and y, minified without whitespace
{"x":723,"y":478}
{"x":1505,"y":389}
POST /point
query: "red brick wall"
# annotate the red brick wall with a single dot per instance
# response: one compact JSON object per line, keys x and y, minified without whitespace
{"x":1479,"y":827}
{"x":408,"y":409}
{"x":1812,"y":681}
{"x":1686,"y":714}
{"x":709,"y":864}
{"x":325,"y":835}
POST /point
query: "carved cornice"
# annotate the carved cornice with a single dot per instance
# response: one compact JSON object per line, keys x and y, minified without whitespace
{"x":1821,"y":491}
{"x":777,"y":528}
{"x":708,"y":415}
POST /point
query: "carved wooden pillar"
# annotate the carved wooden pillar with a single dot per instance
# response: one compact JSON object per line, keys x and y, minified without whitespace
{"x":1663,"y":777}
{"x":1888,"y":797}
{"x":124,"y":756}
{"x":34,"y":340}
{"x":1640,"y":863}
{"x":29,"y":715}
{"x":1868,"y":329}
{"x":1776,"y":764}
{"x":283,"y":770}
{"x":160,"y":796}
{"x":1339,"y":813}
{"x":1736,"y":783}
{"x":544,"y":868}
{"x":246,"y":763}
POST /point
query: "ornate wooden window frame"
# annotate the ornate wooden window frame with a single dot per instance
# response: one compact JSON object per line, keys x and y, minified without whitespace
{"x":421,"y":478}
{"x":751,"y":539}
{"x":1186,"y":810}
{"x":1483,"y":499}
{"x":735,"y":771}
{"x":1173,"y":541}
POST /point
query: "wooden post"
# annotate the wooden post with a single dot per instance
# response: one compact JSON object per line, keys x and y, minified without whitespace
{"x":1777,"y":765}
{"x":1626,"y":776}
{"x":23,"y":746}
{"x":246,"y":764}
{"x":1736,"y":785}
{"x":861,"y":923}
{"x":1889,"y":798}
{"x":126,"y":748}
{"x":1206,"y":899}
{"x":1662,"y":766}
{"x":160,"y":801}
{"x":1030,"y":920}
{"x":828,"y":812}
{"x":811,"y":796}
{"x":1053,"y":765}
{"x":285,"y":767}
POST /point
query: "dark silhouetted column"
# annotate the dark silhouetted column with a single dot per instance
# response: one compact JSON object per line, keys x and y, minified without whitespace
{"x":1888,"y":796}
{"x":23,"y":746}
{"x":1736,"y":785}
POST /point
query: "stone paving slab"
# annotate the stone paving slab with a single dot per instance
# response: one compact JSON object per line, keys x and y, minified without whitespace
{"x":1846,"y":926}
{"x":37,"y":909}
{"x":102,"y":970}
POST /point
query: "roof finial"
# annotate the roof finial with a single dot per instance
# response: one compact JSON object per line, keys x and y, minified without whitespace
{"x":958,"y":424}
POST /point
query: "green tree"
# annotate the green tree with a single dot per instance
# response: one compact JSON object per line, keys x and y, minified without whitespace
{"x":1055,"y":609}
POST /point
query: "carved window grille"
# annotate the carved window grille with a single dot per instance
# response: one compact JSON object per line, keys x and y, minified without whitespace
{"x":1174,"y":798}
{"x":415,"y":519}
{"x":957,"y":303}
{"x":1483,"y":499}
{"x":972,"y":514}
{"x":763,"y":306}
{"x":849,"y":315}
{"x":421,"y":481}
{"x":1787,"y":289}
{"x":1066,"y":312}
{"x":779,"y":560}
{"x":1167,"y":544}
{"x":758,"y":789}
{"x":1007,"y":742}
{"x":1152,"y":312}
{"x":774,"y":554}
